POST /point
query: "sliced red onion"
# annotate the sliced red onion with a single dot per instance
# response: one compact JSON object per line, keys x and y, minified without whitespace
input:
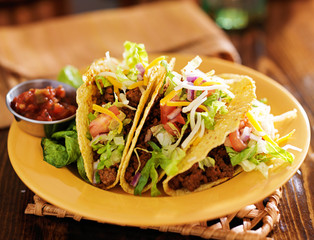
{"x":140,"y":68}
{"x":174,"y":113}
{"x":148,"y":135}
{"x":245,"y":134}
{"x":191,"y":78}
{"x":135,"y":179}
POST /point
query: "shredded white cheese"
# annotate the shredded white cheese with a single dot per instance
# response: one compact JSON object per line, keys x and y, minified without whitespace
{"x":286,"y":115}
{"x":202,"y":131}
{"x":123,"y":98}
{"x":194,"y":131}
{"x":196,"y":102}
{"x":289,"y":146}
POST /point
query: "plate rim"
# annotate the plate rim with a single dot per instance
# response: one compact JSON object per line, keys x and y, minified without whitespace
{"x":138,"y":222}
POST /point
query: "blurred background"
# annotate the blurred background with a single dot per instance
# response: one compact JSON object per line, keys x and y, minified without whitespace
{"x":229,"y":14}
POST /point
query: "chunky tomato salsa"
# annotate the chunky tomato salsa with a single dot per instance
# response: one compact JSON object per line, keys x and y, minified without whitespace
{"x":46,"y":104}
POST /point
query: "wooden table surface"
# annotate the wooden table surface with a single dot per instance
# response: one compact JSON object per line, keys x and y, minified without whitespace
{"x":282,"y":48}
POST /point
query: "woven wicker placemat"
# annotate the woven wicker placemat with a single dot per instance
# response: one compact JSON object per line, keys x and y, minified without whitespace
{"x":251,"y":222}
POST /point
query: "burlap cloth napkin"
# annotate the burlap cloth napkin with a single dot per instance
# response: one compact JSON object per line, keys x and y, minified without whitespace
{"x":41,"y":49}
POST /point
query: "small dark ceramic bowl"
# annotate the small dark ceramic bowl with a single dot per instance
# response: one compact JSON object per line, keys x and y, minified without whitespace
{"x":35,"y":127}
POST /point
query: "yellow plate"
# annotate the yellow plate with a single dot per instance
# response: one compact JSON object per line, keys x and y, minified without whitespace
{"x":65,"y":189}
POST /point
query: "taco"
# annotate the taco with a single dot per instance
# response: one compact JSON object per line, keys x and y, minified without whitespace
{"x":237,"y":143}
{"x":184,"y":110}
{"x":110,"y":103}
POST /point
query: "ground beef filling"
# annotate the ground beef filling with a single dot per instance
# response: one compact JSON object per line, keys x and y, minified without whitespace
{"x":195,"y":176}
{"x":109,"y":175}
{"x":153,"y":119}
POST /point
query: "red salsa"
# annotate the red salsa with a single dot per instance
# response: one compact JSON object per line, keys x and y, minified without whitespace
{"x":46,"y":104}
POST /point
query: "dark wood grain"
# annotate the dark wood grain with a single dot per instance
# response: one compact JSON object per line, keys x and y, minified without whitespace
{"x":282,"y":48}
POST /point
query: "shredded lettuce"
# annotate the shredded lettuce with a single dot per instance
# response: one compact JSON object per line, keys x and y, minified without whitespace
{"x":215,"y":105}
{"x":169,"y":75}
{"x":258,"y":156}
{"x":109,"y":155}
{"x":278,"y":152}
{"x":149,"y":171}
{"x":163,"y":137}
{"x":246,"y":154}
{"x":173,"y":154}
{"x":122,"y":77}
{"x":134,"y":53}
{"x":91,"y":117}
{"x":154,"y":176}
{"x":206,"y":162}
{"x":104,"y":81}
{"x":171,"y":164}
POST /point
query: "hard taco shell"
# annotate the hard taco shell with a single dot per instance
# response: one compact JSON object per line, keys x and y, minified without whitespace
{"x":243,"y":88}
{"x":85,"y":100}
{"x":158,"y":79}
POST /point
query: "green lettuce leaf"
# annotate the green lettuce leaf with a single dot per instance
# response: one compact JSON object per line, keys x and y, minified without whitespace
{"x":110,"y":154}
{"x":252,"y":158}
{"x":206,"y":162}
{"x":81,"y":168}
{"x":70,"y":75}
{"x":237,"y":157}
{"x":216,"y":105}
{"x":154,"y":176}
{"x":145,"y":174}
{"x":278,"y":152}
{"x":62,"y":149}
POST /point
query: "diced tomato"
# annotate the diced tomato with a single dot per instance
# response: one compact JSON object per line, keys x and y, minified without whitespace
{"x":236,"y":142}
{"x":164,"y":112}
{"x":58,"y":109}
{"x":114,"y":109}
{"x":178,"y":119}
{"x":60,"y":92}
{"x":100,"y":125}
{"x":174,"y":130}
